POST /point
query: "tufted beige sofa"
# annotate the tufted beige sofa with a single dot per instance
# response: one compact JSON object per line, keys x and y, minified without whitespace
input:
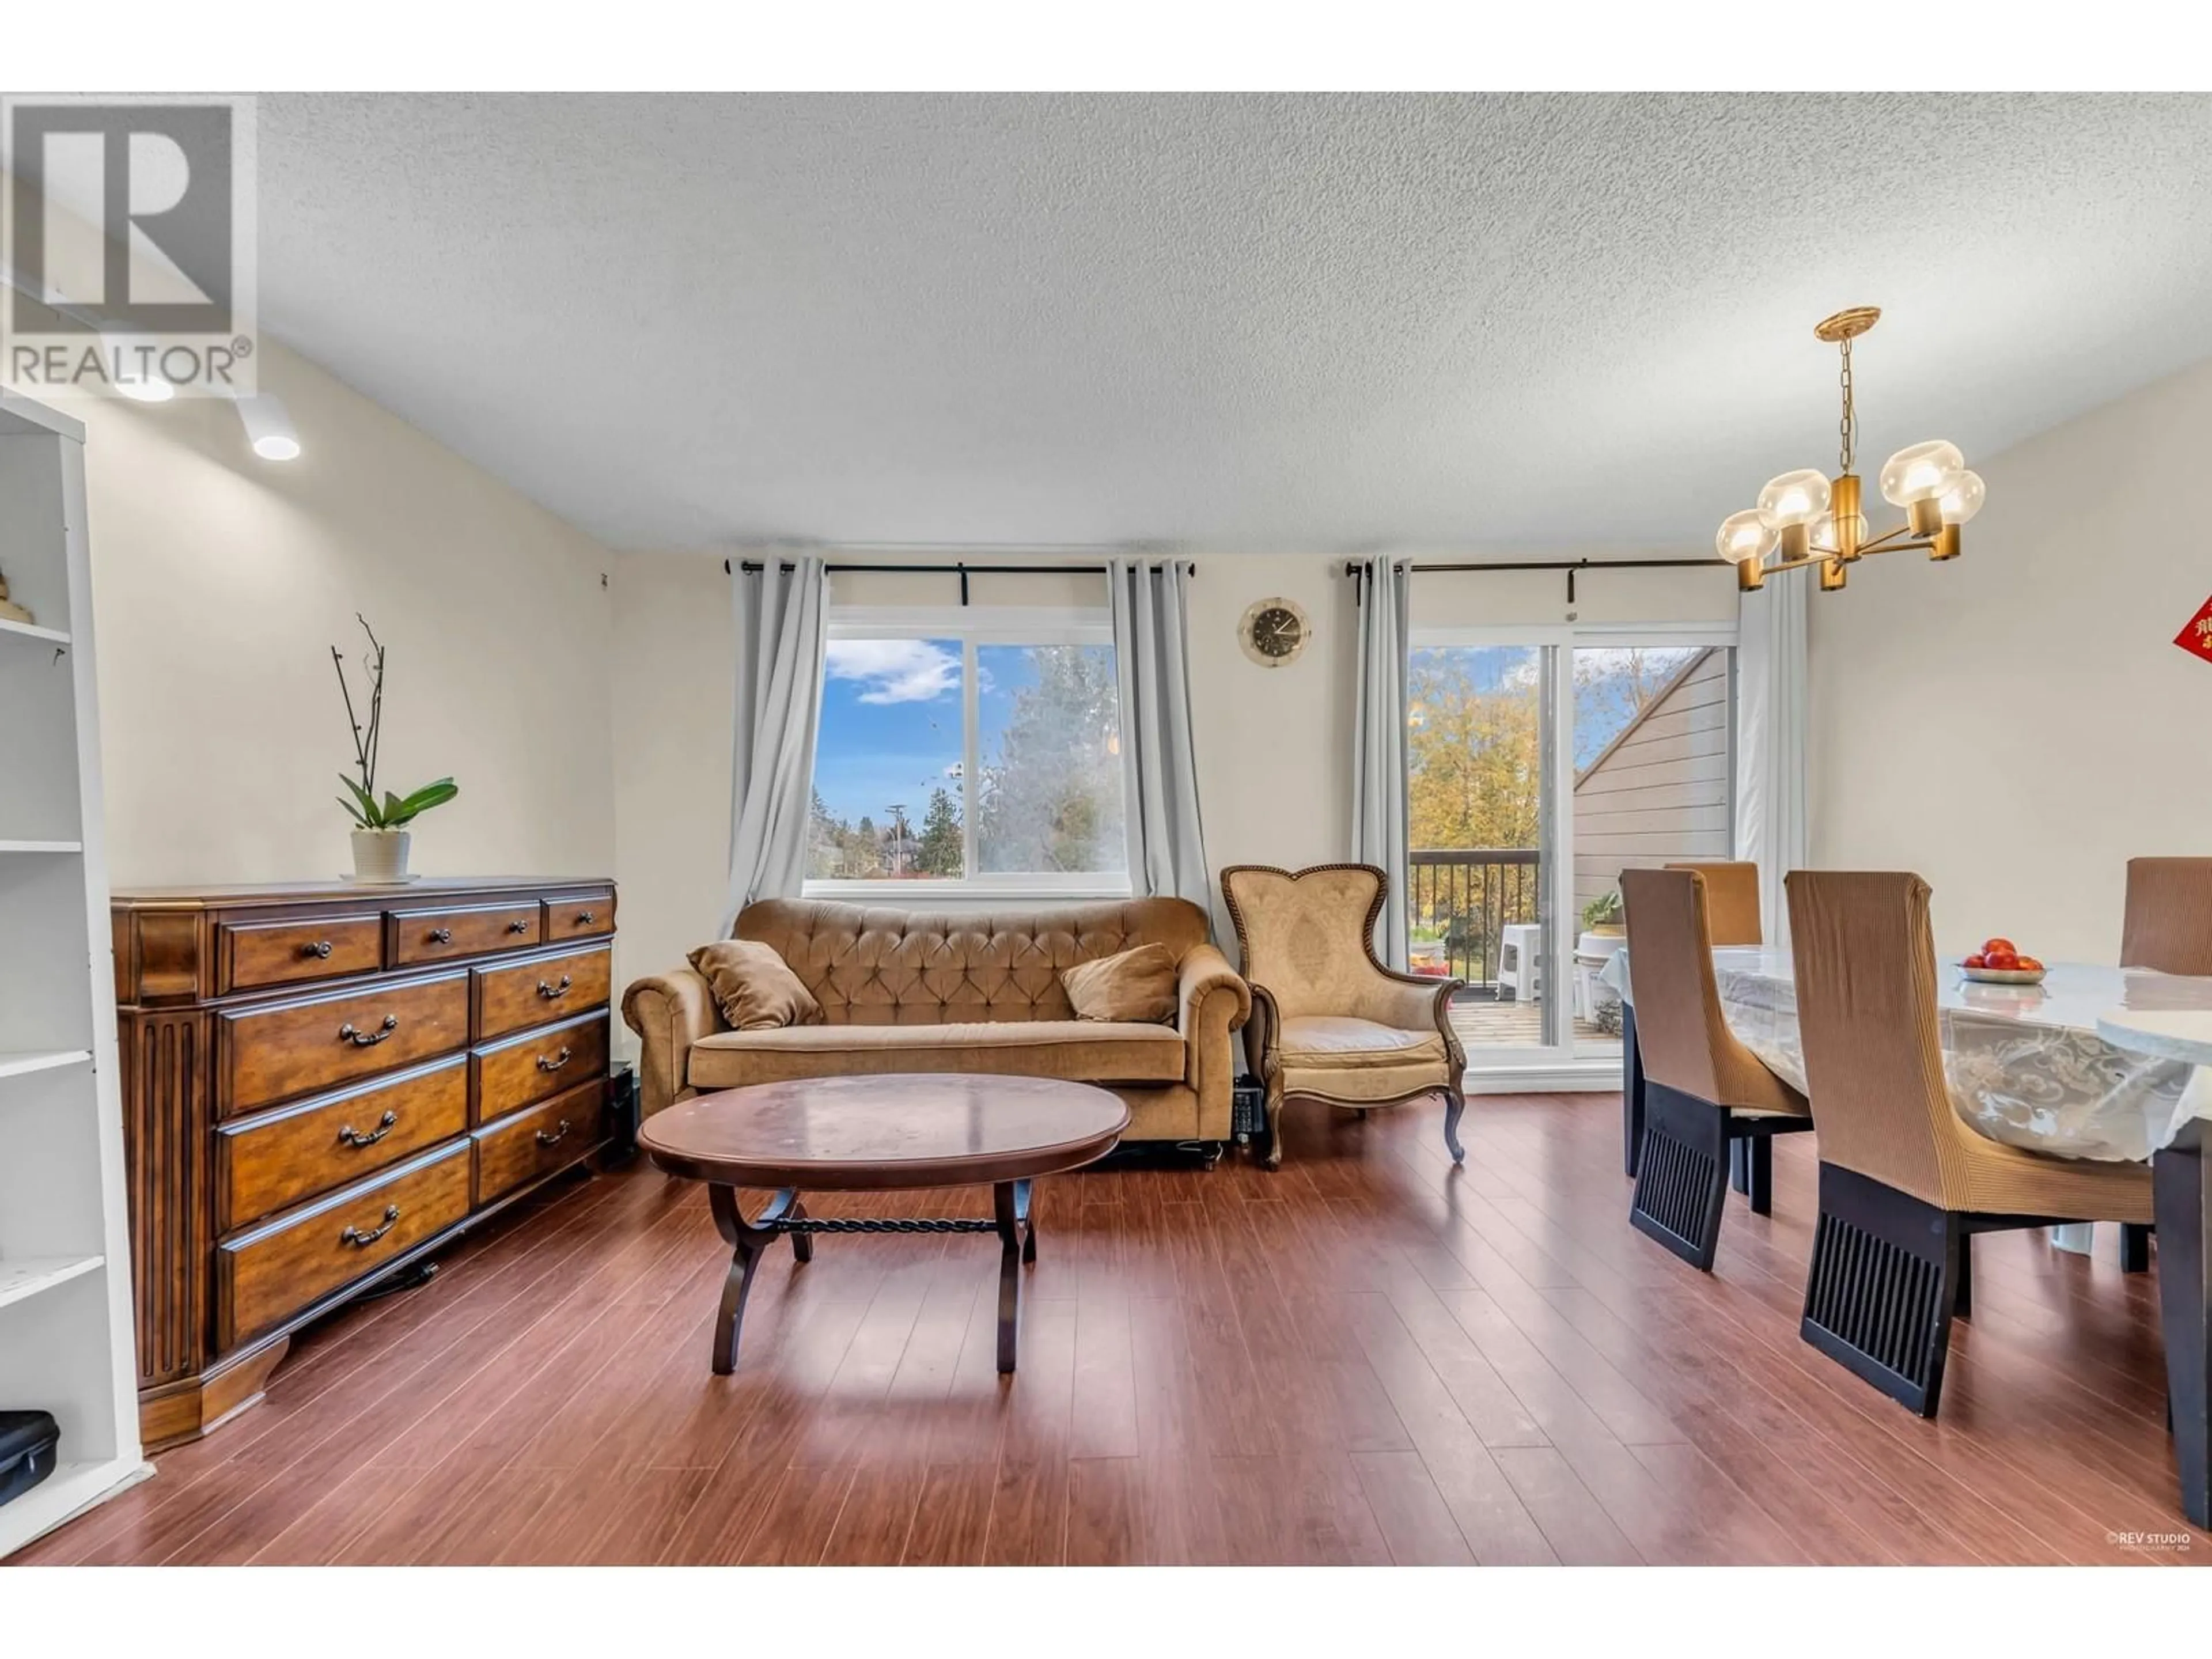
{"x":960,"y":991}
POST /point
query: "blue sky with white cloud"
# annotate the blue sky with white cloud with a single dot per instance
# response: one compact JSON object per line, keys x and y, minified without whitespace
{"x":891,"y":720}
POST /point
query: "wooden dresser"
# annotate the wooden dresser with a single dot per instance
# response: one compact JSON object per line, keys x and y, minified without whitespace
{"x":322,"y":1084}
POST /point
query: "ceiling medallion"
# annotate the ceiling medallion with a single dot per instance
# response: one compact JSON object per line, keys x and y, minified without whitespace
{"x":1808,"y":519}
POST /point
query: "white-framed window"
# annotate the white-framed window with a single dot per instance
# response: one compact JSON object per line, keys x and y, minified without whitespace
{"x":968,"y":750}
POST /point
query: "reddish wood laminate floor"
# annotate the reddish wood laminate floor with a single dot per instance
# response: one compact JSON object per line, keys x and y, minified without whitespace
{"x":1367,"y":1356}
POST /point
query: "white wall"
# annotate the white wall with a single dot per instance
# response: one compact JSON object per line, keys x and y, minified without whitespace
{"x":2016,"y":725}
{"x":220,"y":583}
{"x":675,"y":664}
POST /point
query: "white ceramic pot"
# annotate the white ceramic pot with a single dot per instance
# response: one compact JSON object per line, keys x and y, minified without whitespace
{"x":379,"y":856}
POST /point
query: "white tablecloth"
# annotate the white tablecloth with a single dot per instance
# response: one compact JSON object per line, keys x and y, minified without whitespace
{"x":2025,"y":1063}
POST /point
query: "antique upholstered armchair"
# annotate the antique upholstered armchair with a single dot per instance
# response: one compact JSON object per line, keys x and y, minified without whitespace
{"x":1329,"y":1022}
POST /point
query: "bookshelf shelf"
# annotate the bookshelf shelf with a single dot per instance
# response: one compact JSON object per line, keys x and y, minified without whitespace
{"x":66,"y":1343}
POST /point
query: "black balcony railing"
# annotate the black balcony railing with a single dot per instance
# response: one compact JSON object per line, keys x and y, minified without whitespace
{"x":1465,"y":898}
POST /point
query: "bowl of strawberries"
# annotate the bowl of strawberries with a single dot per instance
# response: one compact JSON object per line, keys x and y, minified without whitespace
{"x":1999,"y":962}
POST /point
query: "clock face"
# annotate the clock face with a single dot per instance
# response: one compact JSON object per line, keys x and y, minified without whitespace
{"x":1274,"y":632}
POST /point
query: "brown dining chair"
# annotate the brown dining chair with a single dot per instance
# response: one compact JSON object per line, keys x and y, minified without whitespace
{"x":1905,"y":1184}
{"x":1731,"y":899}
{"x":1703,"y":1090}
{"x":1732,"y":914}
{"x":2168,"y":926}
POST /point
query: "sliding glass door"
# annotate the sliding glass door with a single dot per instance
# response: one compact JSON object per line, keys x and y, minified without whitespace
{"x":1541,"y":762}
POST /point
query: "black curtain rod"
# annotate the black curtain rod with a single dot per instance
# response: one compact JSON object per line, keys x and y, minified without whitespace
{"x":1358,"y":569}
{"x":948,"y":569}
{"x":962,"y":571}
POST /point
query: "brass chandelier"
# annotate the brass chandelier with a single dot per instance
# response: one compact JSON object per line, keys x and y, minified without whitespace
{"x":1809,"y":519}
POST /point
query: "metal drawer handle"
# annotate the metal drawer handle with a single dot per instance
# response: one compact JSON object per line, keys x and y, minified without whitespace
{"x":321,"y":948}
{"x":548,"y":992}
{"x":554,"y":1064}
{"x":518,"y":927}
{"x":441,"y":936}
{"x":355,"y":1237}
{"x":586,"y":918}
{"x":369,"y":1039}
{"x":350,"y":1136}
{"x":556,"y":1137}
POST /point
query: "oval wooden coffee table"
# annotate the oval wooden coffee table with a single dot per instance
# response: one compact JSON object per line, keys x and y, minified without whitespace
{"x":865,"y":1134}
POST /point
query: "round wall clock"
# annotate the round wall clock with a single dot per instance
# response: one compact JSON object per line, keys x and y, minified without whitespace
{"x":1274,"y":632}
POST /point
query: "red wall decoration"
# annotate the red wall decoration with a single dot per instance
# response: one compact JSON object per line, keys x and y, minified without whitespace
{"x":2196,"y":637}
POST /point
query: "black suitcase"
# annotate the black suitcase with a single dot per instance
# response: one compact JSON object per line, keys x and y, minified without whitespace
{"x":27,"y":1450}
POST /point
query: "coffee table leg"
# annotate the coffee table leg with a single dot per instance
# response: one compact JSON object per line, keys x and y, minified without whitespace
{"x":1010,"y":1203}
{"x":749,"y":1240}
{"x":1028,"y":1227}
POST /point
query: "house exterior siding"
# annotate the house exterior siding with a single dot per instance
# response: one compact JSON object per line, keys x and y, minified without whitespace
{"x":1662,"y":792}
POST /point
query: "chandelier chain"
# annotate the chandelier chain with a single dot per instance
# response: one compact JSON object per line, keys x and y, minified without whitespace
{"x":1848,"y":428}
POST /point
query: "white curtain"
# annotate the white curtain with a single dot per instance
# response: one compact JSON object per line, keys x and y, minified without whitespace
{"x":781,"y":610}
{"x":1773,"y":828}
{"x":1159,"y":764}
{"x":1379,"y":779}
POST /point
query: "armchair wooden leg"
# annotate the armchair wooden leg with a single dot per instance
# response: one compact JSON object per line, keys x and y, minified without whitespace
{"x":1455,"y":1103}
{"x":1275,"y":1127}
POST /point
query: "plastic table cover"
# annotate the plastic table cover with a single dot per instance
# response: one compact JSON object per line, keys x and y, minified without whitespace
{"x":2024,"y":1062}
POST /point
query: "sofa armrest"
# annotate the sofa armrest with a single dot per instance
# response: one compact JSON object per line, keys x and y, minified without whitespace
{"x":1213,"y":1002}
{"x":1205,"y":975}
{"x":669,"y":1012}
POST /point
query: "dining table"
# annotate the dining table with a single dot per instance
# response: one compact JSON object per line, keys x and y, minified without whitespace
{"x":2104,"y":1063}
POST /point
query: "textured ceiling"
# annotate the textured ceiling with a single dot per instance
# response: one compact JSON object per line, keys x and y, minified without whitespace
{"x":1264,"y":321}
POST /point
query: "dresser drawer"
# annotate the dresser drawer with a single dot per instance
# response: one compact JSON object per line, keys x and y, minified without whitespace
{"x":525,"y":993}
{"x":267,"y":1275}
{"x":249,"y":955}
{"x":273,"y":1053}
{"x":425,"y":935}
{"x":263,"y":1164}
{"x":524,"y":1146}
{"x":584,"y":913}
{"x":512,"y":1074}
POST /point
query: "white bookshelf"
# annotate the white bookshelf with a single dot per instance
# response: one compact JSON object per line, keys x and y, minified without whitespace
{"x":65,"y":1316}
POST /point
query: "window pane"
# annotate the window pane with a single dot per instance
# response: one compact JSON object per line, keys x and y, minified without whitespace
{"x":1050,"y":798}
{"x":1652,"y":786}
{"x":887,"y":762}
{"x":1474,"y":793}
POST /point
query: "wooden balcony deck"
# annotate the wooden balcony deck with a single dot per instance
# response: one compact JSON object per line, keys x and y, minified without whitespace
{"x":1484,"y":1025}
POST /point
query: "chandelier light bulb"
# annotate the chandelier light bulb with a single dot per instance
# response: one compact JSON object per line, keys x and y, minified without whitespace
{"x":1964,"y":498}
{"x":1921,"y":472}
{"x":1794,"y":498}
{"x":1745,"y":536}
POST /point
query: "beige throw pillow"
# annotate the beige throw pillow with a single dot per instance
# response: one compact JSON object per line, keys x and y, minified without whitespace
{"x":754,"y":987}
{"x":1136,"y":985}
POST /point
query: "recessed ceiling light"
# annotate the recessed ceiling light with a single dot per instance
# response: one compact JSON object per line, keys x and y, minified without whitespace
{"x":147,"y":391}
{"x":268,"y":427}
